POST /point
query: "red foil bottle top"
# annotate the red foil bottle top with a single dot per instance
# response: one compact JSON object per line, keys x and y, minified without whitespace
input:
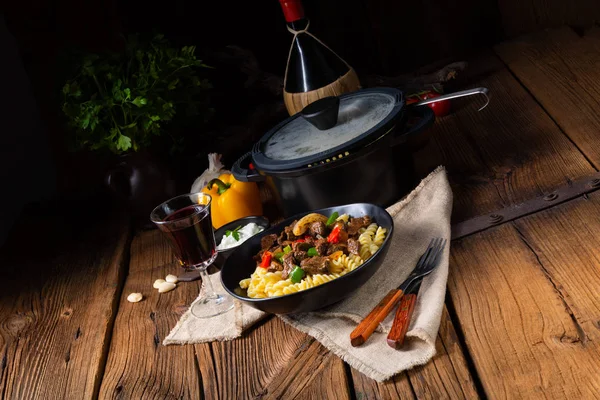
{"x":292,"y":10}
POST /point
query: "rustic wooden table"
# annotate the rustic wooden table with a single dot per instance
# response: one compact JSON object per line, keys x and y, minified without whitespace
{"x":522,"y":317}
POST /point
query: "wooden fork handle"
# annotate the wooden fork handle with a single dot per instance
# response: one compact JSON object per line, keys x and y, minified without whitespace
{"x":368,"y":325}
{"x":401,"y":321}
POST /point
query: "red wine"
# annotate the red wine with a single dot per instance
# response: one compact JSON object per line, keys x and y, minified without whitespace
{"x":191,"y":234}
{"x":311,"y":65}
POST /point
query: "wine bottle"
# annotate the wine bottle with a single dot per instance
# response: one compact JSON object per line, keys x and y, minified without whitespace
{"x":313,"y":70}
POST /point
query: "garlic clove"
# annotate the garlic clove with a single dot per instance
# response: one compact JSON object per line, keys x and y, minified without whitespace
{"x":171,"y":278}
{"x":157,"y":283}
{"x":166,"y":287}
{"x":135,"y":297}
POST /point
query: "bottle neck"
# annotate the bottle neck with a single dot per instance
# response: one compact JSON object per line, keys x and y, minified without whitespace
{"x":299,"y":24}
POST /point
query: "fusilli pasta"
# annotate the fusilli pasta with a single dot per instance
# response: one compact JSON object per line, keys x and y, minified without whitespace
{"x":263,"y":284}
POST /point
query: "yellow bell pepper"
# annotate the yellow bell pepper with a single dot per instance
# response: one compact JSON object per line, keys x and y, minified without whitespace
{"x":232,"y":199}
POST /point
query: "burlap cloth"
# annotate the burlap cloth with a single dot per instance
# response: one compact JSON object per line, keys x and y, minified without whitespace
{"x":419,"y":217}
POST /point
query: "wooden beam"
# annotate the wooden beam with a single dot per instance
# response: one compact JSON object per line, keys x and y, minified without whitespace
{"x":62,"y":279}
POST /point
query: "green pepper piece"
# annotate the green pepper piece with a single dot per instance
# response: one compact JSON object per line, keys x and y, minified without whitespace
{"x":312,"y":252}
{"x":297,"y":274}
{"x":278,"y":256}
{"x":287,"y":249}
{"x":332,"y":218}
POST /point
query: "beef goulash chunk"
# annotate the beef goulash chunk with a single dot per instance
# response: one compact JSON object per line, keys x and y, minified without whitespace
{"x":321,"y":245}
{"x":275,"y":266}
{"x":267,"y":241}
{"x":301,"y":246}
{"x":315,"y":265}
{"x":337,"y":247}
{"x":354,"y":246}
{"x":289,"y":262}
{"x":318,"y":229}
{"x":356,"y":223}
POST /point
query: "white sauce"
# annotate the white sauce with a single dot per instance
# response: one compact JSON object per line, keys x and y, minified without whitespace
{"x":245,"y":232}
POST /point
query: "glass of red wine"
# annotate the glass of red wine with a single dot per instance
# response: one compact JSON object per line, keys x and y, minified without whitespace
{"x":186,"y":221}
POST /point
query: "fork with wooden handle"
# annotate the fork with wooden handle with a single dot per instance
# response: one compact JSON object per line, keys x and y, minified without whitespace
{"x":402,"y":319}
{"x":425,"y":265}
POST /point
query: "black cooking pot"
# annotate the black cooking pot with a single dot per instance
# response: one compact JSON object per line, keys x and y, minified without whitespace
{"x":337,"y":151}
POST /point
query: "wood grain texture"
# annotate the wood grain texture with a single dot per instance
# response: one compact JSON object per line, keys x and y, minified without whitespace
{"x":565,"y":239}
{"x":138,"y":365}
{"x":507,"y":153}
{"x":312,"y":373}
{"x":524,"y":341}
{"x":399,"y":387}
{"x":245,"y":367}
{"x":561,"y":70}
{"x":446,"y":376}
{"x":57,"y":310}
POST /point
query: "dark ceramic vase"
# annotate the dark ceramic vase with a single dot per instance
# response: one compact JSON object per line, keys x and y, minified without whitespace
{"x":140,"y":182}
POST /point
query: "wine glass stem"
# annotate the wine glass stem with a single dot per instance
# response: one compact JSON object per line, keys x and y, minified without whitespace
{"x":209,"y":290}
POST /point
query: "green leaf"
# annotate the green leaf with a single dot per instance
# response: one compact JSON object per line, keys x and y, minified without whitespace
{"x":124,"y":143}
{"x":85,"y":121}
{"x":173,"y":84}
{"x":140,"y":101}
{"x":66,"y":89}
{"x":131,"y":125}
{"x":127,"y":92}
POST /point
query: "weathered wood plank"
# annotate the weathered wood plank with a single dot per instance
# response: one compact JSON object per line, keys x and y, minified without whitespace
{"x":138,"y":365}
{"x":522,"y":339}
{"x":507,"y":153}
{"x":57,"y":310}
{"x":246,"y":366}
{"x":367,"y":389}
{"x":565,"y":240}
{"x":312,"y":373}
{"x":445,"y":377}
{"x":561,"y":70}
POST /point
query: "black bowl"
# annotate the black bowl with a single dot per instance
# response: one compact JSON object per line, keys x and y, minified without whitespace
{"x":219,"y":233}
{"x":240,"y":265}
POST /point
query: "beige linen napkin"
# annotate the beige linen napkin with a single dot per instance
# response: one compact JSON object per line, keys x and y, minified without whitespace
{"x":419,"y":217}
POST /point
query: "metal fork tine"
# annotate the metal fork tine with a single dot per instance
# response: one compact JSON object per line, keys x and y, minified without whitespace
{"x":439,"y":251}
{"x":431,"y":255}
{"x":425,"y":255}
{"x":426,"y":263}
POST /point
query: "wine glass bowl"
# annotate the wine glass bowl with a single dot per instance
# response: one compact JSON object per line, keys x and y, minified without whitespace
{"x":186,"y":221}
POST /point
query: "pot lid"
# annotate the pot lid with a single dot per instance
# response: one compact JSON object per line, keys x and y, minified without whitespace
{"x":363,"y":116}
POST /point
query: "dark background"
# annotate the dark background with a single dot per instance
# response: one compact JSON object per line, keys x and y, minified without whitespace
{"x":377,"y":37}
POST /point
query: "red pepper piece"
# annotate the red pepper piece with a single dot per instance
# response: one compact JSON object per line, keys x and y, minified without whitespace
{"x":334,"y":236}
{"x":266,"y":259}
{"x":301,"y":240}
